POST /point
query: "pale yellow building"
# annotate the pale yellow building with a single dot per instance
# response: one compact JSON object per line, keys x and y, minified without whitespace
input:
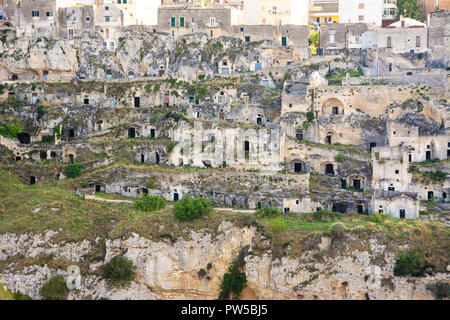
{"x":276,"y":12}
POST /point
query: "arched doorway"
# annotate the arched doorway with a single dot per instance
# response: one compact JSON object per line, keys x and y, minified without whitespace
{"x":157,"y":158}
{"x":176,"y":196}
{"x":339,"y":207}
{"x":329,"y":169}
{"x":24,"y":138}
{"x":329,"y":137}
{"x":71,"y":158}
{"x":297,"y":166}
{"x":142,"y":158}
{"x":32,"y":180}
{"x":43,"y":154}
{"x":131,"y":133}
{"x":332,"y":106}
{"x":14,"y":77}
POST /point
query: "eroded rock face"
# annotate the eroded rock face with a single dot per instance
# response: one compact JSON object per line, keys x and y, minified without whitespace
{"x":193,"y":268}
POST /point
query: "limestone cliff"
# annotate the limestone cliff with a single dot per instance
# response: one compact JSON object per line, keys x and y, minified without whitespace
{"x":193,"y":268}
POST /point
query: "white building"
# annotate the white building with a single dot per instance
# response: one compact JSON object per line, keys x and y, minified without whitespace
{"x":147,"y":12}
{"x":366,"y":11}
{"x":276,"y":12}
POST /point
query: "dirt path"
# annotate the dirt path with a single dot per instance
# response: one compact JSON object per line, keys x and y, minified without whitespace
{"x":91,"y":197}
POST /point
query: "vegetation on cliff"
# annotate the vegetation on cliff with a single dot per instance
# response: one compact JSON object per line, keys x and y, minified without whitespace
{"x":118,"y":272}
{"x":55,"y":289}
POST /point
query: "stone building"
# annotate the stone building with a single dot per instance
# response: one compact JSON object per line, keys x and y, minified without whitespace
{"x":399,"y":205}
{"x":74,"y":21}
{"x":439,"y":29}
{"x":390,"y":168}
{"x":421,"y":147}
{"x":180,"y":19}
{"x":109,"y":21}
{"x":405,"y":36}
{"x":36,"y":18}
{"x":337,"y":36}
{"x":286,"y":35}
{"x":9,"y":13}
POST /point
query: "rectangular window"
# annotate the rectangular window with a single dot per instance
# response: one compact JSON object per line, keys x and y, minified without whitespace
{"x":106,"y":8}
{"x":331,"y":38}
{"x":247,"y":39}
{"x":181,"y":21}
{"x":172,"y":22}
{"x":107,"y":18}
{"x":48,"y":14}
{"x":35,"y":13}
{"x":361,"y":6}
{"x":389,"y":42}
{"x":417,"y":41}
{"x":360,"y":18}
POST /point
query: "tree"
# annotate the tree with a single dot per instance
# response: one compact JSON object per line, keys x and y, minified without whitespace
{"x":150,"y":203}
{"x":73,"y":170}
{"x":189,"y":208}
{"x":118,"y":272}
{"x":409,"y":9}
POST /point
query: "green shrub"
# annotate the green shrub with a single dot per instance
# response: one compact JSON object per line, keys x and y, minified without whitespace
{"x":434,"y":175}
{"x":378,"y":217}
{"x":411,"y":263}
{"x":150,"y":203}
{"x":339,"y":157}
{"x":151,"y":183}
{"x":118,"y":272}
{"x":73,"y":170}
{"x":337,"y":230}
{"x":431,"y":201}
{"x":201,"y":77}
{"x":10,"y":130}
{"x":268,"y":212}
{"x":233,"y":282}
{"x":310,"y":116}
{"x":40,"y":111}
{"x":277,"y":224}
{"x":55,"y":289}
{"x":190,"y":208}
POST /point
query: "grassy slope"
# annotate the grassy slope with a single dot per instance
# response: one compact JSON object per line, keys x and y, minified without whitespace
{"x":5,"y":294}
{"x":87,"y":219}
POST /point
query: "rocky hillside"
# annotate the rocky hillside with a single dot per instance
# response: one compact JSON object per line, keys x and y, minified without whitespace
{"x":311,"y":256}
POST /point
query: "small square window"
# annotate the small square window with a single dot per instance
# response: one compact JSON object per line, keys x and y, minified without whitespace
{"x":106,"y":8}
{"x":397,"y":171}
